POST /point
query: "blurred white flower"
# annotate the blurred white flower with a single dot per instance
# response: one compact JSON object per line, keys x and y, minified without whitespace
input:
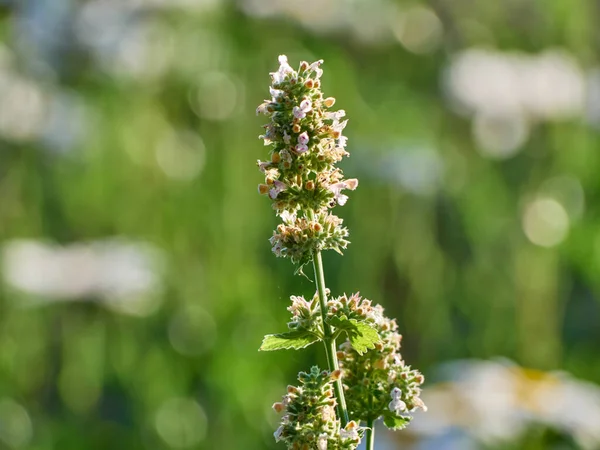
{"x":121,"y":273}
{"x":498,"y":401}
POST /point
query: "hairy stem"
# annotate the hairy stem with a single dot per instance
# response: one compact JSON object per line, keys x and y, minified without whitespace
{"x":330,"y":347}
{"x":370,"y":434}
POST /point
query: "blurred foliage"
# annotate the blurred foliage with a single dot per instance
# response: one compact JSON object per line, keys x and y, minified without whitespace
{"x":135,"y":120}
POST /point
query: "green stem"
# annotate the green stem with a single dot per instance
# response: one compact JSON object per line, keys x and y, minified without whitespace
{"x":329,"y":339}
{"x":370,"y":434}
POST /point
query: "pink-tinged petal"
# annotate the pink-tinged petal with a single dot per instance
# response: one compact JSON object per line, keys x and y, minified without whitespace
{"x":298,"y":113}
{"x":278,"y":186}
{"x":263,"y":165}
{"x":301,"y":148}
{"x":303,"y":138}
{"x":305,"y":105}
{"x":351,"y":184}
{"x":336,"y":188}
{"x":262,"y":108}
{"x":316,"y":64}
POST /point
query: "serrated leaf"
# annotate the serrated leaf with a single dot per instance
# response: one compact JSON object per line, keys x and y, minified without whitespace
{"x":340,"y":322}
{"x":394,"y":422}
{"x":364,"y":337}
{"x":291,"y":340}
{"x":361,"y":335}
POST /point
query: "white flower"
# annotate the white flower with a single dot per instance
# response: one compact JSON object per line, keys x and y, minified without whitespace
{"x":322,"y":441}
{"x":335,"y":115}
{"x":286,"y":137}
{"x":336,"y":188}
{"x":315,"y":67}
{"x":278,"y":433}
{"x":275,"y":93}
{"x":303,"y":138}
{"x":262,"y":108}
{"x":350,"y":432}
{"x":300,"y":111}
{"x":284,"y":67}
{"x":339,"y":126}
{"x":397,"y":405}
{"x":263,"y":165}
{"x":342,"y":140}
{"x":288,"y":217}
{"x":276,"y":189}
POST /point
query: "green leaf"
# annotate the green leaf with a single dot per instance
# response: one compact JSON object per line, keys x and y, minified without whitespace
{"x":394,"y":422}
{"x":361,"y":335}
{"x":291,"y":340}
{"x":364,"y":337}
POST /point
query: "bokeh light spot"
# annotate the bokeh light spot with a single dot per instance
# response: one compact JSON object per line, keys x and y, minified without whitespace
{"x":181,"y":422}
{"x":419,"y":30}
{"x":217,"y":97}
{"x":16,"y":428}
{"x":500,"y":136}
{"x":181,"y":155}
{"x":545,"y":222}
{"x":192,"y":331}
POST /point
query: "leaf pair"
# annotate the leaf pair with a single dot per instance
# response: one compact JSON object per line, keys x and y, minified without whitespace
{"x":361,"y":335}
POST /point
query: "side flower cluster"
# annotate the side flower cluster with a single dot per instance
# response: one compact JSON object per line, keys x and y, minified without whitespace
{"x":306,"y":314}
{"x":301,"y":179}
{"x":309,"y":420}
{"x":380,"y":374}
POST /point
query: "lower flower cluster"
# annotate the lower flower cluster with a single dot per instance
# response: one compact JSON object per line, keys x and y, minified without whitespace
{"x":378,"y":383}
{"x":309,"y":420}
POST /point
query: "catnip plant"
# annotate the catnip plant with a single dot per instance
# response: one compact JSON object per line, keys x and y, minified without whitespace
{"x":367,"y":378}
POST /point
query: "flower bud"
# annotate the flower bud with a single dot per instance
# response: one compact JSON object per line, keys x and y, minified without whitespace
{"x":263,"y":189}
{"x":309,"y":185}
{"x":278,"y":407}
{"x":275,"y":158}
{"x":309,"y":83}
{"x":329,"y":102}
{"x":304,"y":65}
{"x":380,"y":364}
{"x":336,"y":374}
{"x":296,"y":128}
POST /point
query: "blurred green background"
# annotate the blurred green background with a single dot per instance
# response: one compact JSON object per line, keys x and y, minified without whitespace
{"x":136,"y":276}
